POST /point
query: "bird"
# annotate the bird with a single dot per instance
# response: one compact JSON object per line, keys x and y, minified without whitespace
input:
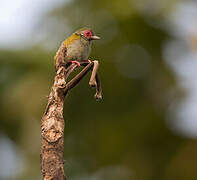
{"x":75,"y":48}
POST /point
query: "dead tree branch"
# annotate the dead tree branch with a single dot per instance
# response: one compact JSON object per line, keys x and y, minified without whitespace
{"x":52,"y":125}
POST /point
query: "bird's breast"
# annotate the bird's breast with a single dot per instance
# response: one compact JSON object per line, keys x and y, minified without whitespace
{"x":78,"y":50}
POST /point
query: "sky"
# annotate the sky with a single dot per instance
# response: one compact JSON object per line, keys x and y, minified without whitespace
{"x":182,"y":57}
{"x":19,"y":18}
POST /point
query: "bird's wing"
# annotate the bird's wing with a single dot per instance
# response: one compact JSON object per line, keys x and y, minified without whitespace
{"x":60,"y":57}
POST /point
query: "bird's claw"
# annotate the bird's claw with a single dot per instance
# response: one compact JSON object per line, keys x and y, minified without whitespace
{"x":76,"y":62}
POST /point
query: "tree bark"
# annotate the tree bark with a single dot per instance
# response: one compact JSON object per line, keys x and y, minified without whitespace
{"x":52,"y":124}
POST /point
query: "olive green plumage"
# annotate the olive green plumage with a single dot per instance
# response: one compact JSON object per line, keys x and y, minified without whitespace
{"x":76,"y":47}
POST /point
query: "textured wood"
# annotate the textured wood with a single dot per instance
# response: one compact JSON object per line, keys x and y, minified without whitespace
{"x":52,"y":131}
{"x":52,"y":124}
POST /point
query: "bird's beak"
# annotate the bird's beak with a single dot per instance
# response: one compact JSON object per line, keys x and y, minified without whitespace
{"x":95,"y":38}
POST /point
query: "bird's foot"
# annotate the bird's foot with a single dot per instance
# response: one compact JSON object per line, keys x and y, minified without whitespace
{"x":75,"y":62}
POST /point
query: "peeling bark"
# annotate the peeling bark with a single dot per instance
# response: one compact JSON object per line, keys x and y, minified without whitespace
{"x":52,"y":125}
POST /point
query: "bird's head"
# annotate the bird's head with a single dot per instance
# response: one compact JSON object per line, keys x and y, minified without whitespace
{"x":87,"y":34}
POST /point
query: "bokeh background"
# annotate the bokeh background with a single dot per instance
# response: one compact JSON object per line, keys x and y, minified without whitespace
{"x":146,"y":126}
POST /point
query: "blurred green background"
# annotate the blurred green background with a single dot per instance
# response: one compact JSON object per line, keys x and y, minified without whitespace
{"x":146,"y":126}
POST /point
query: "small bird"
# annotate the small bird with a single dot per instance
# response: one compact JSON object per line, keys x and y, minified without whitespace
{"x":75,"y":48}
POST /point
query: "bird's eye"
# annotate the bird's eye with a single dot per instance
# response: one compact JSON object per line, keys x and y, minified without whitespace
{"x":88,"y":33}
